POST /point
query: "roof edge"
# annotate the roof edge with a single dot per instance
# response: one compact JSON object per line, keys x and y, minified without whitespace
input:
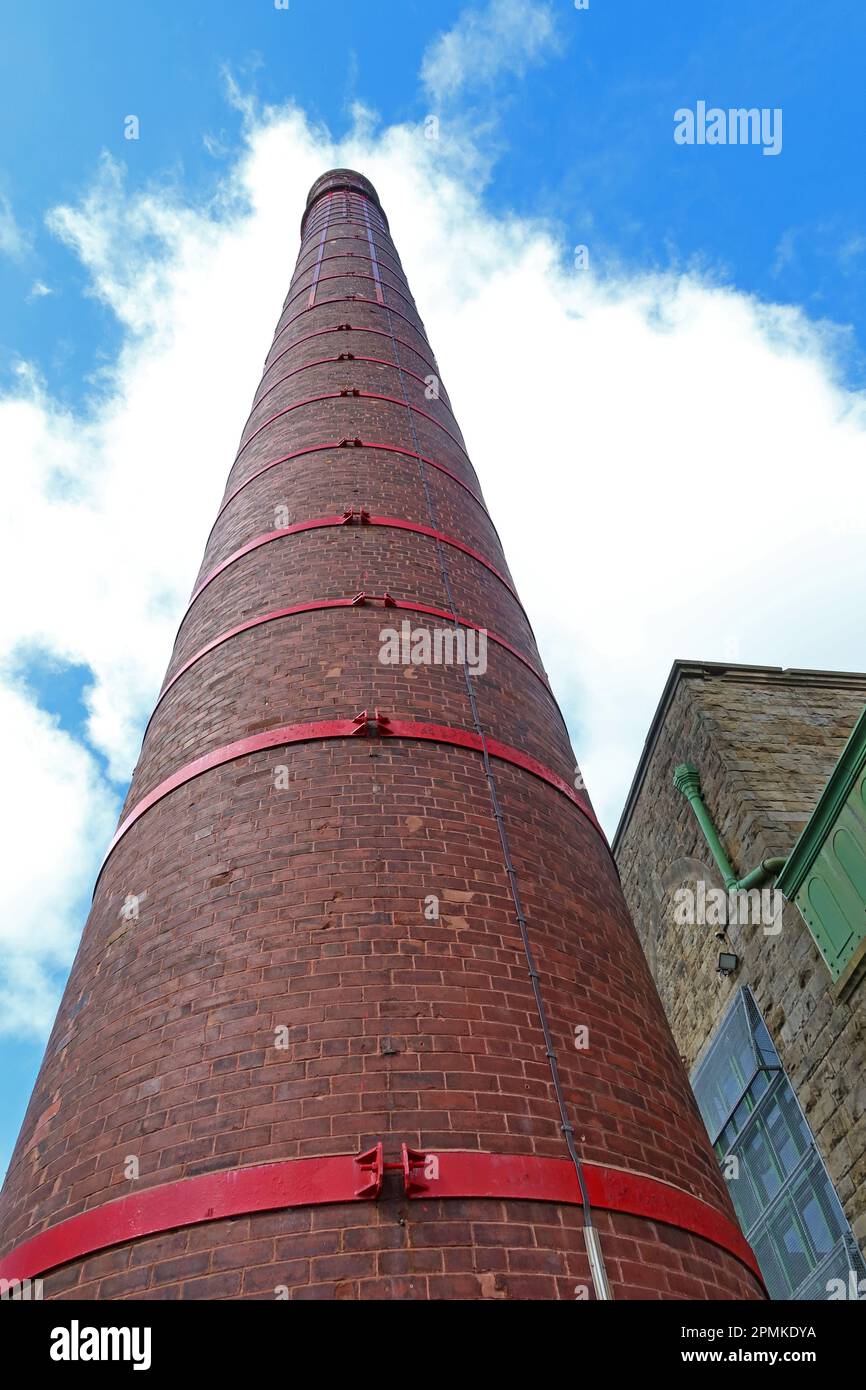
{"x":719,"y":670}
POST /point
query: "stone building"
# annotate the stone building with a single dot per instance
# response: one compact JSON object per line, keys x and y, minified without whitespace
{"x":742,"y":853}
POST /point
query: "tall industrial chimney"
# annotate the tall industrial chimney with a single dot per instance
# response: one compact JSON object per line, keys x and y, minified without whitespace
{"x":359,"y":1011}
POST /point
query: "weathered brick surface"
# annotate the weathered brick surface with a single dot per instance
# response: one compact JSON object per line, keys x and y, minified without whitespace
{"x":399,"y":1249}
{"x":263,"y":906}
{"x":765,"y":742}
{"x":331,"y":482}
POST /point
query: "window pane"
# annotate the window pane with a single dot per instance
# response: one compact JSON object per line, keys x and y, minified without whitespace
{"x":763,"y":1170}
{"x":760,"y":1084}
{"x":789,"y":1242}
{"x":785,"y":1149}
{"x":795,"y":1224}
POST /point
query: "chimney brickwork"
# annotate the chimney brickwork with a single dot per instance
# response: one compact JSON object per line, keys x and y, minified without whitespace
{"x":310,"y":934}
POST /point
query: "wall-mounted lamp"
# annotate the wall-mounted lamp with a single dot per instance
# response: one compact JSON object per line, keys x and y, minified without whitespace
{"x":728,"y":963}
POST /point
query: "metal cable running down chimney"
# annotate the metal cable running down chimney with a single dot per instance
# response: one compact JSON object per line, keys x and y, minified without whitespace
{"x":598,"y":1273}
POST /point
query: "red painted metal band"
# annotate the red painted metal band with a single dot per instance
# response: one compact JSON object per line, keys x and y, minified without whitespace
{"x":383,"y":251}
{"x":342,"y":256}
{"x":287,"y":734}
{"x":344,"y":196}
{"x":355,"y":299}
{"x":342,"y":1178}
{"x":339,"y":396}
{"x":325,"y":361}
{"x":322,"y":522}
{"x":358,"y":298}
{"x":336,"y":227}
{"x":396,"y":606}
{"x":276,"y":613}
{"x":347,"y":299}
{"x":341,"y":216}
{"x":468,"y":738}
{"x":353,"y":328}
{"x":349,"y":195}
{"x":355,"y":274}
{"x":336,"y":222}
{"x":211,"y":1197}
{"x":341,"y":208}
{"x":255,"y":743}
{"x":340,"y":220}
{"x":464,"y":622}
{"x":352,"y":275}
{"x":337,"y":444}
{"x":524,"y":1177}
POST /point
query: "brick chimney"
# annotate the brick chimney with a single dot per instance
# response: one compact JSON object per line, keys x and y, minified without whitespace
{"x":359,"y":1011}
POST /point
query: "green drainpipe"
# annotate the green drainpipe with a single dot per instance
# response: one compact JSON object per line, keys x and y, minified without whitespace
{"x":687,"y":780}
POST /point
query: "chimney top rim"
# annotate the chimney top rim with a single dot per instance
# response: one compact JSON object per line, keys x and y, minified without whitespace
{"x":333,"y":180}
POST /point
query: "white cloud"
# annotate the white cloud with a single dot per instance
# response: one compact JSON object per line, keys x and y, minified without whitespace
{"x":54,"y":804}
{"x":217,"y":146}
{"x":505,"y":37}
{"x":13,"y":241}
{"x":39,"y":290}
{"x":672,"y":465}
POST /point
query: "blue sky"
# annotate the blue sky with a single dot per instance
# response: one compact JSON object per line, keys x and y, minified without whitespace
{"x":558,"y":128}
{"x":585,"y":137}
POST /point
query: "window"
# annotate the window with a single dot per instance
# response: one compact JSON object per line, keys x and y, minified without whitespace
{"x":781,"y":1191}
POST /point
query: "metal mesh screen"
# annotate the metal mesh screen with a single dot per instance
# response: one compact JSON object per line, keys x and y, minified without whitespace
{"x":782,"y":1194}
{"x":725,"y":1072}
